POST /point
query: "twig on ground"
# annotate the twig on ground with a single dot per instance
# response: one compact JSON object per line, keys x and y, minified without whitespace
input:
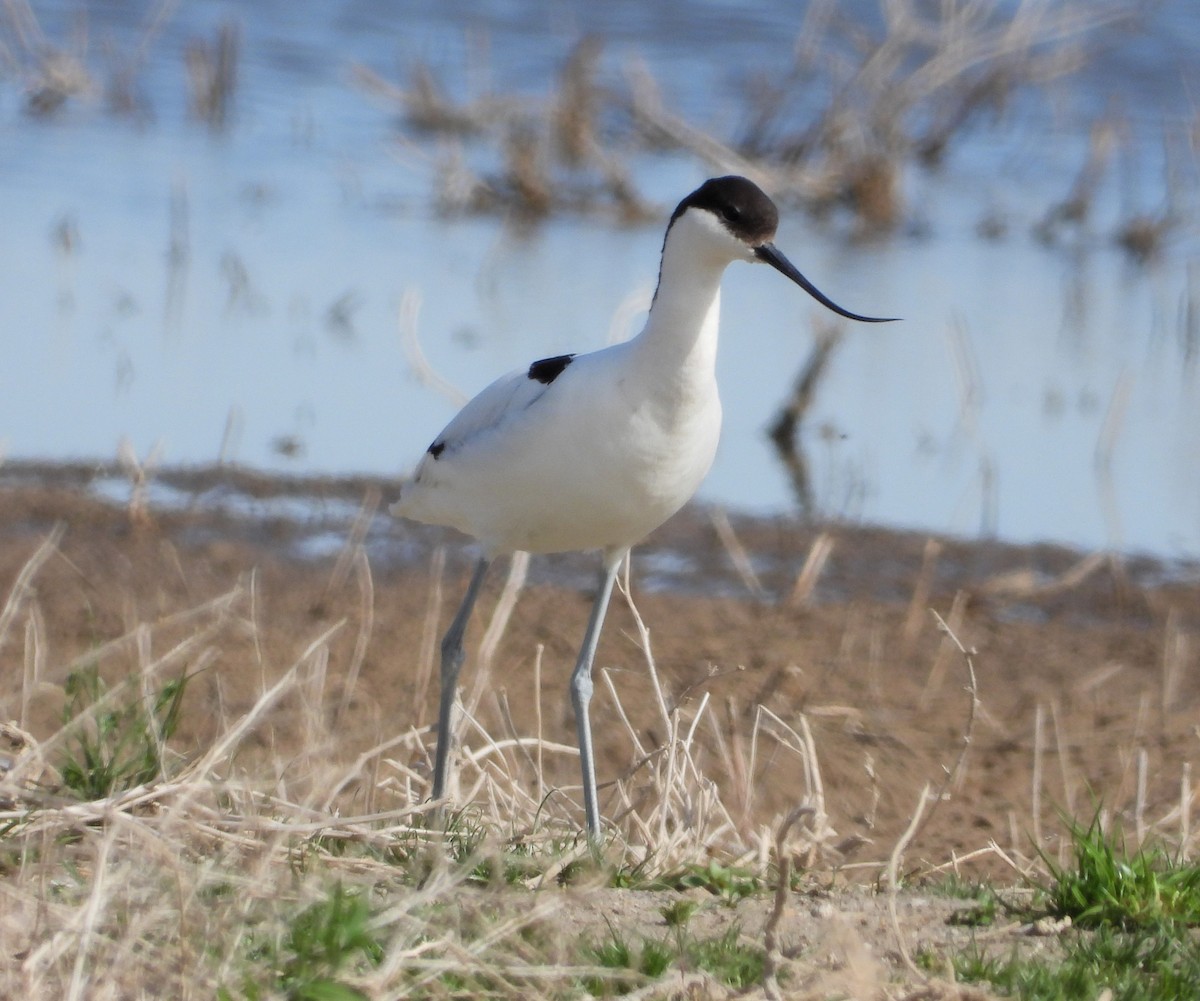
{"x":893,"y":879}
{"x":773,"y":955}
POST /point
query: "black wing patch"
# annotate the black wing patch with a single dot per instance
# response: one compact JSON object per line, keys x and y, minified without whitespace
{"x":548,"y":369}
{"x":437,"y":448}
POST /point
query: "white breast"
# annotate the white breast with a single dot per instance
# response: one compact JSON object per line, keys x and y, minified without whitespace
{"x":596,"y":459}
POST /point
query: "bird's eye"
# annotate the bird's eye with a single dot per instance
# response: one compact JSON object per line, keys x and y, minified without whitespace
{"x":732,"y":213}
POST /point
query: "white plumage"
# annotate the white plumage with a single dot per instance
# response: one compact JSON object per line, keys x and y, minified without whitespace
{"x":595,"y":451}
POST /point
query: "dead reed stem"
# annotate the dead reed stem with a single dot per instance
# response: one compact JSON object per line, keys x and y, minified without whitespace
{"x":22,"y":586}
{"x":410,"y":342}
{"x":805,"y":586}
{"x":946,"y":650}
{"x":1036,"y":778}
{"x":736,"y":552}
{"x":35,"y":658}
{"x":1185,"y":807}
{"x":514,"y":583}
{"x":773,"y":958}
{"x":1106,"y":444}
{"x":366,"y":623}
{"x":955,"y":773}
{"x":1139,"y":802}
{"x":429,"y":631}
{"x":1061,"y":746}
{"x":1176,"y":650}
{"x":647,"y":653}
{"x":922,"y":590}
{"x":969,"y":383}
{"x":212,"y":74}
{"x":893,"y":879}
{"x":537,"y":716}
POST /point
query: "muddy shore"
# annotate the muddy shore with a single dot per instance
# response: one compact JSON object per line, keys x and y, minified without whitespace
{"x":1086,"y":665}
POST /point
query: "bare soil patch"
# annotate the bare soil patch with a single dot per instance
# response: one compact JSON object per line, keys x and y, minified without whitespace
{"x":1087,"y":677}
{"x":1086,"y":674}
{"x":1085,"y":666}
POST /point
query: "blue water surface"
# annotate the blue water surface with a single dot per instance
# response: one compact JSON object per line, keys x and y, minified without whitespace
{"x":236,"y":294}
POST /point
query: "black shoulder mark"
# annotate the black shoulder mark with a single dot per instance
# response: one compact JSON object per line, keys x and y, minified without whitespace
{"x":549,"y":369}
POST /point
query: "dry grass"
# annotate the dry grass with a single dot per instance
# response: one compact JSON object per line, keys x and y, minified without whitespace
{"x":57,"y":73}
{"x":862,"y":104}
{"x":887,"y":98}
{"x":168,"y":881}
{"x":199,"y":878}
{"x":212,"y":74}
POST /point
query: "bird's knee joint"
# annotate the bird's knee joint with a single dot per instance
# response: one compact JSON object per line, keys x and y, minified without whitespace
{"x":581,"y":688}
{"x":452,"y":658}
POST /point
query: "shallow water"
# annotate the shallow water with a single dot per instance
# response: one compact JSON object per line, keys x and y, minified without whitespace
{"x":1031,"y":392}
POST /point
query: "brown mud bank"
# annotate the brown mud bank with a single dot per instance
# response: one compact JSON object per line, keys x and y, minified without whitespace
{"x":1085,"y":667}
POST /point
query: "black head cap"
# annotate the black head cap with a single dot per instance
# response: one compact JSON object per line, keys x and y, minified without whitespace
{"x":740,"y":204}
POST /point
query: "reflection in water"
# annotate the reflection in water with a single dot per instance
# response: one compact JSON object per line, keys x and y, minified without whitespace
{"x":179,"y":252}
{"x":784,"y":429}
{"x":1189,"y":318}
{"x":236,"y":295}
{"x":968,"y":382}
{"x":1106,"y":484}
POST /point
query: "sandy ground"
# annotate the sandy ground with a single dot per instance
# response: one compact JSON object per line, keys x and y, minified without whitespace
{"x":1086,"y":668}
{"x":1085,"y":682}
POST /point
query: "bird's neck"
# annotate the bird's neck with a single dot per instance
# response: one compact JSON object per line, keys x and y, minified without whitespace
{"x":680,"y":336}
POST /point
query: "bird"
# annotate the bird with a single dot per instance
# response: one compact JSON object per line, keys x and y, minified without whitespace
{"x":594,"y":451}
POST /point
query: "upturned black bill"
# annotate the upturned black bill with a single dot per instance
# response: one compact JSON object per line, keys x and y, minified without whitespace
{"x":770,"y":253}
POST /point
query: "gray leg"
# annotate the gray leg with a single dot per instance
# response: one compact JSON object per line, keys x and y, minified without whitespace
{"x":452,"y":660}
{"x":581,"y":690}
